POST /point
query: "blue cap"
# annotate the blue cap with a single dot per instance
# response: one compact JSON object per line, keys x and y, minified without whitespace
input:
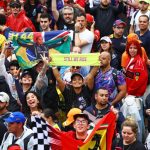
{"x":17,"y":117}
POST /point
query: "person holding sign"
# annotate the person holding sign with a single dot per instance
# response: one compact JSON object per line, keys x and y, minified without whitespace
{"x":78,"y":93}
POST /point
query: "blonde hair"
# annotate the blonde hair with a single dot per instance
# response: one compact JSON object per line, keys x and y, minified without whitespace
{"x":130,"y":122}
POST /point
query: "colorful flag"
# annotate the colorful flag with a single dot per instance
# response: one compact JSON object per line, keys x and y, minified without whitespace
{"x":29,"y":46}
{"x":100,"y":137}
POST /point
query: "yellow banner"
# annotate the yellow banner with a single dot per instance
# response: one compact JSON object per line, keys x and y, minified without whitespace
{"x":98,"y":140}
{"x":91,"y":59}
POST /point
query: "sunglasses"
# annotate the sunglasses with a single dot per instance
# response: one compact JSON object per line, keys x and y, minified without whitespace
{"x":15,"y":6}
{"x":76,"y":67}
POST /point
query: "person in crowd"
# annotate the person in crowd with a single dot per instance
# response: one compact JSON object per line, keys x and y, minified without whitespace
{"x":32,"y":103}
{"x":143,"y":10}
{"x":3,"y":28}
{"x":129,"y":134}
{"x":136,"y":75}
{"x":18,"y":21}
{"x":31,"y":9}
{"x":106,"y":46}
{"x":105,"y":15}
{"x":112,"y":80}
{"x":144,"y":33}
{"x":118,"y":39}
{"x":45,"y":21}
{"x":17,"y":133}
{"x":66,"y":20}
{"x":51,"y":118}
{"x":77,"y":94}
{"x":83,"y":38}
{"x":4,"y":113}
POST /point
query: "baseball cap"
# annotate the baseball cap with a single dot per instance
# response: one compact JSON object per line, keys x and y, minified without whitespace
{"x":81,"y":115}
{"x":70,"y":116}
{"x":133,"y":36}
{"x":106,"y":38}
{"x":25,"y":73}
{"x":17,"y":117}
{"x":89,"y":18}
{"x":119,"y":22}
{"x":76,"y":74}
{"x":4,"y":97}
{"x":146,"y":1}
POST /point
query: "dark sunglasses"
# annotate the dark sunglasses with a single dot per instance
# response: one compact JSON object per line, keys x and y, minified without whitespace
{"x":15,"y":5}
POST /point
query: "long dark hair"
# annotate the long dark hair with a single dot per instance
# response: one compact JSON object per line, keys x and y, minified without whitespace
{"x":26,"y":109}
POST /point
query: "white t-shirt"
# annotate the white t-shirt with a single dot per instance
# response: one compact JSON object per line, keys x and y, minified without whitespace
{"x":135,"y":21}
{"x":89,"y":37}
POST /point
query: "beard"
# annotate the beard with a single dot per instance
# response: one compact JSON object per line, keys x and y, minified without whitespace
{"x":104,"y":5}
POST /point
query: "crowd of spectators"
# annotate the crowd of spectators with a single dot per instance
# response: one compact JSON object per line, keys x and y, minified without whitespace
{"x":118,"y":30}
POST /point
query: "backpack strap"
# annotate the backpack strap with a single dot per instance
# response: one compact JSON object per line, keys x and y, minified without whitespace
{"x":114,"y":73}
{"x":26,"y":141}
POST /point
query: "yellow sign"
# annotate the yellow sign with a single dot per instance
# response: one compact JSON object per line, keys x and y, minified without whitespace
{"x":91,"y":59}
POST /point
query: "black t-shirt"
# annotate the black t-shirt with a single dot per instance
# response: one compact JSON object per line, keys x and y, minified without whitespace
{"x":81,"y":100}
{"x":135,"y":146}
{"x":62,"y":25}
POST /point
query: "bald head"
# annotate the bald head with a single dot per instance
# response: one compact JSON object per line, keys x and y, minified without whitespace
{"x":105,"y":59}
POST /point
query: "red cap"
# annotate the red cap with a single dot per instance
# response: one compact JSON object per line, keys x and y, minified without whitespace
{"x":89,"y":18}
{"x":97,"y":35}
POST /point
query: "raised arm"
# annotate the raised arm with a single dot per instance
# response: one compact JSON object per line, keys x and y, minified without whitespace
{"x":54,"y":10}
{"x":89,"y":80}
{"x":59,"y":80}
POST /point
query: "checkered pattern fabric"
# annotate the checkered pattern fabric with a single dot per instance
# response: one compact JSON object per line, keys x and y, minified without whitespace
{"x":45,"y":136}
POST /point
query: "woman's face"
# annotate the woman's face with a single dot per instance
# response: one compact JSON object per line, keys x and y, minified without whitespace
{"x":32,"y":100}
{"x":128,"y":135}
{"x":105,"y":46}
{"x":133,"y":50}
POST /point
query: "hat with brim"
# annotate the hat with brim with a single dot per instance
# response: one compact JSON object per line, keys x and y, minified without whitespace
{"x":4,"y":97}
{"x":17,"y":117}
{"x":106,"y":39}
{"x":146,"y":1}
{"x":119,"y":22}
{"x":82,"y":115}
{"x":70,"y":116}
{"x":76,"y":74}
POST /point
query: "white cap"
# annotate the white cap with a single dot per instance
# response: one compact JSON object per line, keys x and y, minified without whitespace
{"x":106,"y":38}
{"x":4,"y":97}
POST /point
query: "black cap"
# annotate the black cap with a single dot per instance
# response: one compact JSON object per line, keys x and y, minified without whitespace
{"x":76,"y":74}
{"x":82,"y":115}
{"x":25,"y":73}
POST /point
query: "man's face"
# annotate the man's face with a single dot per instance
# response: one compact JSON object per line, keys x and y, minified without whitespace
{"x":15,"y":9}
{"x":44,"y":24}
{"x":105,"y":3}
{"x":13,"y":127}
{"x":81,"y":125}
{"x":143,"y":6}
{"x":68,"y":16}
{"x":118,"y":30}
{"x":143,"y":23}
{"x":82,"y":21}
{"x":104,"y":59}
{"x":101,"y":97}
{"x":77,"y":82}
{"x":39,"y":67}
{"x":3,"y":105}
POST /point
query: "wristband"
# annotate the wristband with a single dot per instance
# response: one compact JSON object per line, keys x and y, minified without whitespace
{"x":76,"y":31}
{"x":54,"y":67}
